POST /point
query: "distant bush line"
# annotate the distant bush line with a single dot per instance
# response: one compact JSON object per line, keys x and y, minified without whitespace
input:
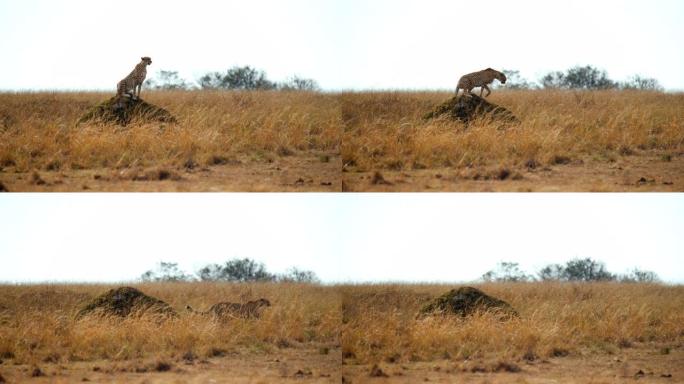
{"x":576,"y":270}
{"x":580,"y":77}
{"x":248,"y":270}
{"x":248,"y":78}
{"x":235,"y":270}
{"x":235,"y":78}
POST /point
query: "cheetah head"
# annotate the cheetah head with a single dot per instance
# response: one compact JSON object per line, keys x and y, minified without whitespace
{"x":502,"y":78}
{"x":147,"y":60}
{"x":263,"y":303}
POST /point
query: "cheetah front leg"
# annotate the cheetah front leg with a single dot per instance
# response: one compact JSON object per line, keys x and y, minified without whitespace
{"x":139,"y":87}
{"x":485,"y":87}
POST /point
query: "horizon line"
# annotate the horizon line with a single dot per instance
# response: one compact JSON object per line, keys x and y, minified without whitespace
{"x":324,"y":283}
{"x":329,"y":91}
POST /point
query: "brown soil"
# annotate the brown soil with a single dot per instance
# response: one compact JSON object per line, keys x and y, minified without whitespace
{"x":123,"y":110}
{"x":467,"y":301}
{"x":467,"y":108}
{"x":642,"y":364}
{"x":643,"y":172}
{"x":284,"y":366}
{"x":124,"y":302}
{"x":296,"y":173}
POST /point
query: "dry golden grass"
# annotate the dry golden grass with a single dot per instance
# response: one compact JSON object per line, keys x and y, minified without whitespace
{"x":387,"y":131}
{"x":380,"y":323}
{"x":323,"y":333}
{"x":38,"y":131}
{"x":223,"y":141}
{"x":37,"y":323}
{"x":567,"y":141}
{"x":375,"y":322}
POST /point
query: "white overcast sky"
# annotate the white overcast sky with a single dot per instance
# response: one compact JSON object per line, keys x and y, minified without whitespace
{"x":343,"y":44}
{"x":341,"y":237}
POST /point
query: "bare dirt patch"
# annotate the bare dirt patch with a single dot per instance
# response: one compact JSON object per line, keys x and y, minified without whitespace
{"x":285,"y":366}
{"x":643,"y":364}
{"x":297,"y":173}
{"x":653,"y":171}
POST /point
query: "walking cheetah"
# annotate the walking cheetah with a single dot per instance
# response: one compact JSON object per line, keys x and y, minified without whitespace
{"x":134,"y":79}
{"x":479,"y":79}
{"x":226,"y":310}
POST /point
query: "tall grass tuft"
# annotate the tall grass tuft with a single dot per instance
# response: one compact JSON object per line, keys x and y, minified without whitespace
{"x":40,"y":131}
{"x":386,"y":130}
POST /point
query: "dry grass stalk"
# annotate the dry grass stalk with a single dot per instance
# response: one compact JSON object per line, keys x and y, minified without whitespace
{"x":40,"y":131}
{"x":380,"y":322}
{"x":386,"y":130}
{"x":38,"y":323}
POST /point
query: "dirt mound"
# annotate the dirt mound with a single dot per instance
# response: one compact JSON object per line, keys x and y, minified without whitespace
{"x":125,"y":302}
{"x":466,"y":301}
{"x":469,"y":107}
{"x":122,"y":113}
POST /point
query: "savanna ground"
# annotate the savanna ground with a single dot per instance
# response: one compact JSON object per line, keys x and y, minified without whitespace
{"x":367,"y":141}
{"x":566,"y":141}
{"x":296,"y":338}
{"x":223,"y":141}
{"x":600,"y":333}
{"x":576,"y":333}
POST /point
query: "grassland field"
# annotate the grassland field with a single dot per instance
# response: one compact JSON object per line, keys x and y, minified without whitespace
{"x":223,"y":141}
{"x":349,"y":141}
{"x":298,"y":337}
{"x":566,"y":141}
{"x":598,"y":332}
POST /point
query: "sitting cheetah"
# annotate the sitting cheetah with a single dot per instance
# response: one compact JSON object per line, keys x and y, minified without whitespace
{"x":227,"y":310}
{"x":479,"y":79}
{"x":134,"y":79}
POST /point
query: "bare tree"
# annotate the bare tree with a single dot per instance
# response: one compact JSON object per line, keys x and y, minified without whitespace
{"x":640,"y":276}
{"x":236,"y":270}
{"x":515,"y":81}
{"x":296,"y":83}
{"x":296,"y":275}
{"x":642,"y":83}
{"x":577,"y":270}
{"x":586,"y":77}
{"x":237,"y":78}
{"x":168,"y":80}
{"x":166,"y":272}
{"x":553,"y":80}
{"x":507,"y":272}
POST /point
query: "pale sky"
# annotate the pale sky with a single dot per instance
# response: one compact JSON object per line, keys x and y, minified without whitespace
{"x":343,"y":44}
{"x":341,"y":237}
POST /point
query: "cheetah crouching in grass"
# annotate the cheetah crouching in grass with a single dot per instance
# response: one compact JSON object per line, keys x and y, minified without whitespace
{"x":226,"y":310}
{"x":479,"y":79}
{"x":134,"y":80}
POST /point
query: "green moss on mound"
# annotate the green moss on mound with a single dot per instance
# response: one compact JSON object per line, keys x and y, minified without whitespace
{"x":125,"y":302}
{"x":466,"y":301}
{"x":126,"y":110}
